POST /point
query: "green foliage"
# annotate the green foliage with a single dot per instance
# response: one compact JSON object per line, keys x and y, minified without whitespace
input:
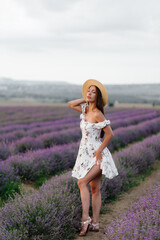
{"x":22,"y":148}
{"x":111,"y":104}
{"x":9,"y":189}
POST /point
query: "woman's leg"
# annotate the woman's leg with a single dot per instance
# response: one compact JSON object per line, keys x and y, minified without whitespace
{"x":96,"y":197}
{"x":84,"y":190}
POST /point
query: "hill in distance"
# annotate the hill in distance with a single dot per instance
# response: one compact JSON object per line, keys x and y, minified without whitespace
{"x":62,"y":92}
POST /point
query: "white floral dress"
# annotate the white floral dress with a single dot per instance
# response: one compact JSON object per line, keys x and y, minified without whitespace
{"x":89,"y":143}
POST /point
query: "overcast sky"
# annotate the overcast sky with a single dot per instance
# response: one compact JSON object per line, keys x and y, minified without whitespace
{"x":113,"y":41}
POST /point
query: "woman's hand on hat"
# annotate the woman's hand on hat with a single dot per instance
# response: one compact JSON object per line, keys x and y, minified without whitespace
{"x":98,"y":156}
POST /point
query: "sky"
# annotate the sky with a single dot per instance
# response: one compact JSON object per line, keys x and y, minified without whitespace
{"x":113,"y":41}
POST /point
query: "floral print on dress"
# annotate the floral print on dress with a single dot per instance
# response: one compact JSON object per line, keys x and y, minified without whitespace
{"x":89,"y":144}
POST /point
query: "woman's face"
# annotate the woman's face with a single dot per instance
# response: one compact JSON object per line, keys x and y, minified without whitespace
{"x":91,"y":94}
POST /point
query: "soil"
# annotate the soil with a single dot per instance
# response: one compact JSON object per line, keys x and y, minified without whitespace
{"x":120,"y":206}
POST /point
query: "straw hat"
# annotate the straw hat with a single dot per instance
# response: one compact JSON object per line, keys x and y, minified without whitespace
{"x":96,"y":83}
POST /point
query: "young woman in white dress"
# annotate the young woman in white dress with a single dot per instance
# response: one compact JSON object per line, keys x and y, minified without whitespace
{"x":95,"y":98}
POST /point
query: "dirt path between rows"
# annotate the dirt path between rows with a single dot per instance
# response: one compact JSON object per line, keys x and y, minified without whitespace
{"x":115,"y":209}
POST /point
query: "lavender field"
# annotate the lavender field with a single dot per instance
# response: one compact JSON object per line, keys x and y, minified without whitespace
{"x":40,"y":145}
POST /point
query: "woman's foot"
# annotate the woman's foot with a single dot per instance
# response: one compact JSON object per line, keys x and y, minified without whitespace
{"x":94,"y":227}
{"x":85,"y":226}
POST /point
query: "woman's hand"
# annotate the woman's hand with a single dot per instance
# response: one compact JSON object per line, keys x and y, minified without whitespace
{"x":98,"y":156}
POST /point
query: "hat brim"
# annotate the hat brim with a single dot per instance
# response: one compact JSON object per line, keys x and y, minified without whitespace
{"x":96,"y":83}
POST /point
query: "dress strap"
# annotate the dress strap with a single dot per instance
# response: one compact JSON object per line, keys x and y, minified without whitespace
{"x":83,"y":106}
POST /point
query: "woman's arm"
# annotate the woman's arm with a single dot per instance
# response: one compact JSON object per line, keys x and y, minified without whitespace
{"x":108,"y":132}
{"x":108,"y":136}
{"x":75,"y":104}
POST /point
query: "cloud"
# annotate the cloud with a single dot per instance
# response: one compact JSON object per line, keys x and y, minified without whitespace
{"x":85,"y":31}
{"x":41,"y":8}
{"x":93,"y":15}
{"x":40,"y":24}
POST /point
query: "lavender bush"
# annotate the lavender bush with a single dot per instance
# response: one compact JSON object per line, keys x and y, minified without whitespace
{"x":5,"y":151}
{"x":125,"y":135}
{"x":44,"y":162}
{"x":51,"y":213}
{"x":131,"y":161}
{"x":133,"y":120}
{"x":9,"y":183}
{"x":140,"y":221}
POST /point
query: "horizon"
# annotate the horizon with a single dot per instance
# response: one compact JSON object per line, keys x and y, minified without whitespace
{"x":74,"y":83}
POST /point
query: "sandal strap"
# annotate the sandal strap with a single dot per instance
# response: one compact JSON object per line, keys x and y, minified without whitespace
{"x":95,"y":224}
{"x":87,"y":221}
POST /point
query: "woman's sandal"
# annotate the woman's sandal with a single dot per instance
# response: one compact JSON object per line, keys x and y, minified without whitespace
{"x":94,"y":227}
{"x":84,"y":227}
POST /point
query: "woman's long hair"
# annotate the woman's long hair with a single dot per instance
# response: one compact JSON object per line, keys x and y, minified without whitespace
{"x":99,"y":104}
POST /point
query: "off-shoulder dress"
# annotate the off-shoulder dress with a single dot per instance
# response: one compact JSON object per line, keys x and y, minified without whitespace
{"x":89,"y":143}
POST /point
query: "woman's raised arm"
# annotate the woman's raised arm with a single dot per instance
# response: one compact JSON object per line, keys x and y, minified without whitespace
{"x":75,"y":104}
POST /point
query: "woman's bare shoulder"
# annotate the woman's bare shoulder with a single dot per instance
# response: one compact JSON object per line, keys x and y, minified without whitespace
{"x":99,"y":116}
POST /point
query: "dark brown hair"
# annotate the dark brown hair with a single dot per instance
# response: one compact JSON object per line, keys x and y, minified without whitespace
{"x":100,"y":106}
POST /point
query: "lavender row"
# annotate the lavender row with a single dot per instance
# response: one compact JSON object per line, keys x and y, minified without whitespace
{"x":45,"y":141}
{"x":43,"y":162}
{"x":65,"y":119}
{"x":132,"y":161}
{"x":48,"y":161}
{"x":34,"y":125}
{"x":34,"y":164}
{"x":126,"y":135}
{"x":132,"y":113}
{"x":37,"y":131}
{"x":58,"y":126}
{"x":30,"y":114}
{"x":123,"y":136}
{"x":56,"y":205}
{"x":140,"y":221}
{"x":124,"y":122}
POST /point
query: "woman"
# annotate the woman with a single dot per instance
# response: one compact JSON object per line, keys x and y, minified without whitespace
{"x":94,"y":158}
